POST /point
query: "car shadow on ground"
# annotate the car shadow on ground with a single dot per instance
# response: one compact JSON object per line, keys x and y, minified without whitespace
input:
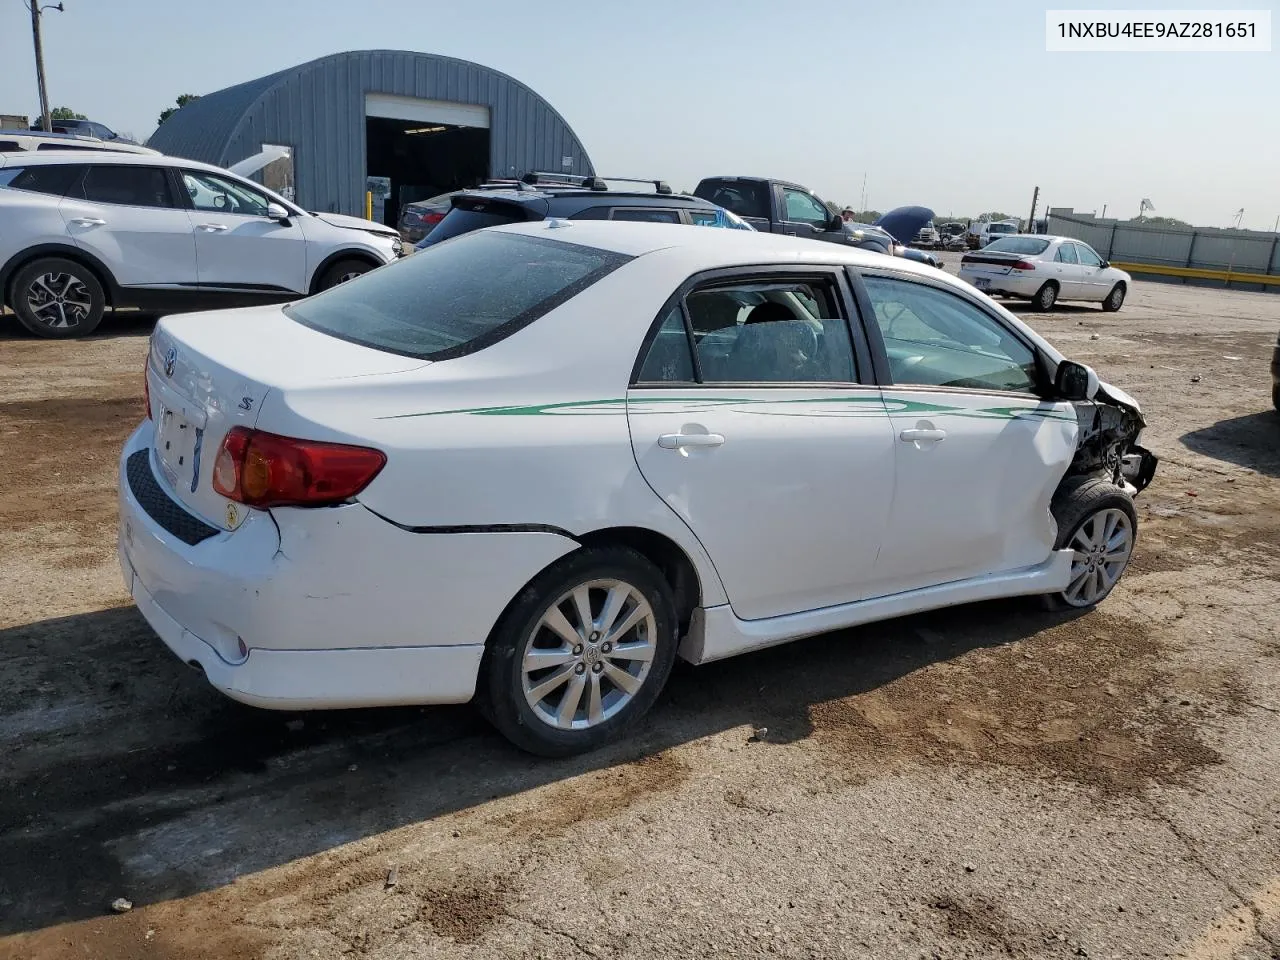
{"x":1251,"y":441}
{"x":126,"y":774}
{"x":122,"y":323}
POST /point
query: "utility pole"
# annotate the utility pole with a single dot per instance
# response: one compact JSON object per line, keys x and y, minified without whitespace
{"x":1031,"y":220}
{"x":1104,"y":210}
{"x":35,"y":8}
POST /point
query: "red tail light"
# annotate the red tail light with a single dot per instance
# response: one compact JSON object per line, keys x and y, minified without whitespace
{"x":1023,"y":265}
{"x":431,"y":219}
{"x":264,"y":470}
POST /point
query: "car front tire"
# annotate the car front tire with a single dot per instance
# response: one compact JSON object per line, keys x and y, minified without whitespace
{"x":1097,"y":521}
{"x":1115,"y":299}
{"x":1045,"y":297}
{"x":341,"y":272}
{"x":57,"y":298}
{"x":581,"y":654}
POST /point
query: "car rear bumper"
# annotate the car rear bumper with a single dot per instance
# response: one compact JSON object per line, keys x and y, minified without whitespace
{"x":325,"y":608}
{"x":1016,"y":285}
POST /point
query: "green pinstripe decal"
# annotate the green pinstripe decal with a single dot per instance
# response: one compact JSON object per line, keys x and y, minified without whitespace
{"x":851,"y":405}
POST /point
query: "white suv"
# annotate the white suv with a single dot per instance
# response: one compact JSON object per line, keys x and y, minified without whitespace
{"x":123,"y":230}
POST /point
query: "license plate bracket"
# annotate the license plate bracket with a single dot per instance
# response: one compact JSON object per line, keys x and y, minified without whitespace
{"x":178,"y":448}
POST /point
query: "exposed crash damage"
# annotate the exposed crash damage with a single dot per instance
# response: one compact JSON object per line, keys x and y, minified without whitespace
{"x":1110,"y":427}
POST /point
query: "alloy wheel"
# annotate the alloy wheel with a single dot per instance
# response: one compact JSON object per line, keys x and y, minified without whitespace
{"x":59,"y":300}
{"x":1102,"y":546}
{"x":589,"y":654}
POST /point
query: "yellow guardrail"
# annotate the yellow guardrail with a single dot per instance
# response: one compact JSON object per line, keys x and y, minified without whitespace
{"x":1197,"y":273}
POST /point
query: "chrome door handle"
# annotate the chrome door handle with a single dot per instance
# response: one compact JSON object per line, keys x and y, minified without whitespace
{"x":677,"y":441}
{"x":211,"y":227}
{"x":919,"y":435}
{"x":89,"y":222}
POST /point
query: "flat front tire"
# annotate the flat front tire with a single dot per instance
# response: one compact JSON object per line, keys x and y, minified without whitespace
{"x":57,"y":298}
{"x":581,"y":654}
{"x":1097,"y":522}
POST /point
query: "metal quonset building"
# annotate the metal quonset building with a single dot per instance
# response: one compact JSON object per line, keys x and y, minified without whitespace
{"x":404,"y":125}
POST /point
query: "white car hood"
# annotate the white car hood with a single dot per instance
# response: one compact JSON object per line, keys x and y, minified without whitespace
{"x":355,"y":223}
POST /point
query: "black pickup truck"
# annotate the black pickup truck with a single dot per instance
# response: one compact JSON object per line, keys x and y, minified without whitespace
{"x":775,"y":206}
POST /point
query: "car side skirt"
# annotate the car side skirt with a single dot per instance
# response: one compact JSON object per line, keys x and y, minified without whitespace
{"x":715,"y":633}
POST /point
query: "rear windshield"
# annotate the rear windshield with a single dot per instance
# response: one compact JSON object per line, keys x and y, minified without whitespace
{"x":462,"y":220}
{"x":746,"y":198}
{"x":1002,"y":228}
{"x":1029,"y":246}
{"x":455,"y":298}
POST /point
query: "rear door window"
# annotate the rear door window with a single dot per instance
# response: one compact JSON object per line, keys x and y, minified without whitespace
{"x":455,"y":298}
{"x":127,"y":186}
{"x":1066,"y":253}
{"x":55,"y":178}
{"x":9,"y":146}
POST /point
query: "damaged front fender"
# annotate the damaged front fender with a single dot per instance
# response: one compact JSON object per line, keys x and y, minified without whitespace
{"x":1110,"y":427}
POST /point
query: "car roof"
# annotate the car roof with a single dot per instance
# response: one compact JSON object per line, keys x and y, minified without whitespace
{"x":707,"y":248}
{"x":31,"y":158}
{"x":782,"y":183}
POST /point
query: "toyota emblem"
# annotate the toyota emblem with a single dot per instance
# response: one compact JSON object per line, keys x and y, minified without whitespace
{"x":170,"y":361}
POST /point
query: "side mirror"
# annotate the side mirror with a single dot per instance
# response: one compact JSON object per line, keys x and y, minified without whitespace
{"x":1075,"y":381}
{"x":836,"y":223}
{"x":1104,"y":264}
{"x":277,"y":213}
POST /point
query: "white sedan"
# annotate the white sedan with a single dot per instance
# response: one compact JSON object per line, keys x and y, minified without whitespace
{"x":1045,"y":270}
{"x":535,"y":464}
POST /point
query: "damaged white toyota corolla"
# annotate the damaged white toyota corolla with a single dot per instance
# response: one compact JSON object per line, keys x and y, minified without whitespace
{"x":536,"y":463}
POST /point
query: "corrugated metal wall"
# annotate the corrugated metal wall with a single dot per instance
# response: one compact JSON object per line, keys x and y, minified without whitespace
{"x":318,"y":110}
{"x":1204,"y":248}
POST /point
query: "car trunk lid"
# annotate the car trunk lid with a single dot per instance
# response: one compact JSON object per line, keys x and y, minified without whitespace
{"x":207,"y":373}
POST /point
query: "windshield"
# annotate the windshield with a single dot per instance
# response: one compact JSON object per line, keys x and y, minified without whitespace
{"x":456,"y":298}
{"x":1002,"y":228}
{"x":1029,"y":246}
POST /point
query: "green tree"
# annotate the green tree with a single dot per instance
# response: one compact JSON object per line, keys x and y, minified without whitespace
{"x":182,"y":101}
{"x":58,"y":113}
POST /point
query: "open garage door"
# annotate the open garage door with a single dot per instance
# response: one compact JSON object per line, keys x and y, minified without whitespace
{"x":424,"y":148}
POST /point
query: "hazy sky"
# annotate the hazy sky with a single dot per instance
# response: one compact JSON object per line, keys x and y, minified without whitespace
{"x":950,"y":103}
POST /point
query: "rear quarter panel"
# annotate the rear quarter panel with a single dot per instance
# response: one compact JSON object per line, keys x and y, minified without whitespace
{"x":530,"y":431}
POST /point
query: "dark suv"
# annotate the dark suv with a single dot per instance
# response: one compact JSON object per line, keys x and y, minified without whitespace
{"x":539,"y":196}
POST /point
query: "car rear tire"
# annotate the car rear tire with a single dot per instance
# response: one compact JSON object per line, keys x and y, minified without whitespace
{"x":57,"y":298}
{"x":1045,"y":297}
{"x":341,"y":272}
{"x":1096,"y":519}
{"x":1115,"y":299}
{"x":598,"y":626}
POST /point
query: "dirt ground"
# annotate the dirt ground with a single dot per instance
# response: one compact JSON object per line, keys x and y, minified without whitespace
{"x":988,"y":781}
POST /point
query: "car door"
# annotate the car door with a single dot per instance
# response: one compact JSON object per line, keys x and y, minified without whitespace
{"x":129,"y":218}
{"x":1094,"y":283}
{"x":1066,"y":269}
{"x":979,"y":452}
{"x":750,"y":419}
{"x":238,"y":246}
{"x":802,"y":214}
